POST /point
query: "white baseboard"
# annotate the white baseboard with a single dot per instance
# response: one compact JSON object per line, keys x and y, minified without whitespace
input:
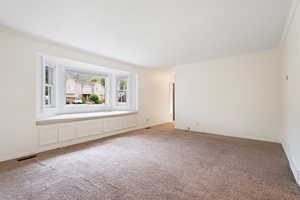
{"x":295,"y":170}
{"x":227,"y":134}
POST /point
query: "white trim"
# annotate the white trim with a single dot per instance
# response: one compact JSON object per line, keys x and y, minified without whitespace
{"x":52,"y":86}
{"x":91,"y":138}
{"x":171,"y":98}
{"x":60,"y":66}
{"x":40,"y":89}
{"x":295,"y":170}
{"x":289,"y":20}
{"x":81,"y":116}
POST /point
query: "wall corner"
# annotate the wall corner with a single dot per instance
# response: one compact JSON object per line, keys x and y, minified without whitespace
{"x":298,"y":177}
{"x":295,"y":170}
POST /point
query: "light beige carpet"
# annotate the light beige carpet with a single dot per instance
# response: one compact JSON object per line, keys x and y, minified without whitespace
{"x":160,"y":163}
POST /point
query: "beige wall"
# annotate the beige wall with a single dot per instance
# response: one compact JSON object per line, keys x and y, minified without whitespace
{"x":18,"y":63}
{"x":236,"y":96}
{"x":291,"y":92}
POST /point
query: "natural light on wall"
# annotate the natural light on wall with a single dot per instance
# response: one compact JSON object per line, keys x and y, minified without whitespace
{"x":66,"y":86}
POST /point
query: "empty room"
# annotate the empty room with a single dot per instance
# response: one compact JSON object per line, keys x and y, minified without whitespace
{"x":150,"y":100}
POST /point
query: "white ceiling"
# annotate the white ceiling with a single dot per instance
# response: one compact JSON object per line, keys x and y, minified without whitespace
{"x":153,"y":33}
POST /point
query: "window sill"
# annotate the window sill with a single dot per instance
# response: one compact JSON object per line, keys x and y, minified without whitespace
{"x":81,"y":116}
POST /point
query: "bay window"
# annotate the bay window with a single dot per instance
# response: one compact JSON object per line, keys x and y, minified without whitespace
{"x":72,"y":87}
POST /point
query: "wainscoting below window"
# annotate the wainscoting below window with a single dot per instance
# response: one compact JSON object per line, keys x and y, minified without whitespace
{"x":64,"y":134}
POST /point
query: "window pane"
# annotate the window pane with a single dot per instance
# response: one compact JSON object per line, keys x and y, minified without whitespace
{"x":123,"y":84}
{"x":122,"y":96}
{"x":48,"y":93}
{"x":47,"y":75}
{"x":85,"y":88}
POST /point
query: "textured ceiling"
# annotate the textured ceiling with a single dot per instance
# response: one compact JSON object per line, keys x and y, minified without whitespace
{"x":153,"y":33}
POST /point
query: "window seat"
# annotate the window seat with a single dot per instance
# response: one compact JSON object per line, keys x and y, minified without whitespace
{"x":81,"y":116}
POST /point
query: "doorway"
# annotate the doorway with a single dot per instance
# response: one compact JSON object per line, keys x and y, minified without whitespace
{"x":173,"y":101}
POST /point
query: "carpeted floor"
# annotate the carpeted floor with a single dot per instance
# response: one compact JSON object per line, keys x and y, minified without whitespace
{"x":160,"y":163}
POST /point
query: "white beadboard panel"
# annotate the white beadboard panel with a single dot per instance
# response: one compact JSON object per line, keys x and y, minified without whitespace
{"x":125,"y":122}
{"x":105,"y":125}
{"x":121,"y":123}
{"x":117,"y":124}
{"x":52,"y":134}
{"x":108,"y":125}
{"x":129,"y":122}
{"x":87,"y":130}
{"x":100,"y":126}
{"x":113,"y":123}
{"x":82,"y":129}
{"x":48,"y":135}
{"x":55,"y":136}
{"x":95,"y":127}
{"x":67,"y":132}
{"x":132,"y":121}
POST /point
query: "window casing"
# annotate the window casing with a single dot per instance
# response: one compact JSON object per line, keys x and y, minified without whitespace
{"x":73,"y":87}
{"x":49,"y":87}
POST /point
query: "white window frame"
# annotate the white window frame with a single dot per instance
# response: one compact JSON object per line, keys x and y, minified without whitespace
{"x":49,"y":85}
{"x":128,"y":90}
{"x":59,"y":106}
